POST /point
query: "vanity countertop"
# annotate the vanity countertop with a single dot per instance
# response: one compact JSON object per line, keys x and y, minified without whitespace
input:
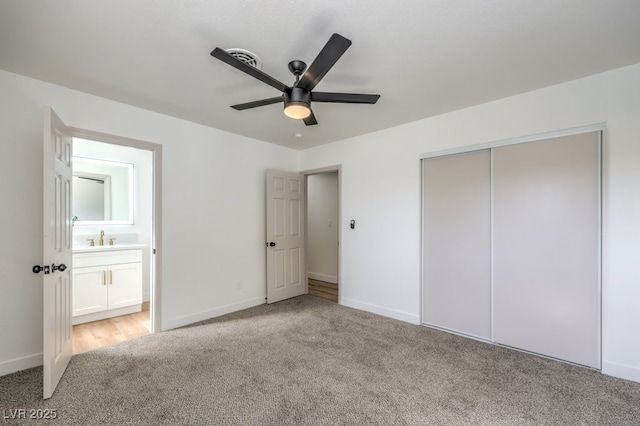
{"x":89,"y":249}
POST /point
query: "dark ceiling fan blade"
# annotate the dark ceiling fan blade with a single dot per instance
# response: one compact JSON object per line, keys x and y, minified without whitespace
{"x":310,"y":120}
{"x":328,"y":56}
{"x":347,"y":98}
{"x":221,"y":54}
{"x":254,"y":104}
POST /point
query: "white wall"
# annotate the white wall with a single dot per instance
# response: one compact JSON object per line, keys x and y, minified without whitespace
{"x":213,"y":203}
{"x":380,"y":261}
{"x":322,"y":227}
{"x":213,"y":209}
{"x":140,"y":230}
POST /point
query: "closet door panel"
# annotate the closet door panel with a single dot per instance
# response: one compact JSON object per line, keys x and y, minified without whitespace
{"x":546,"y":247}
{"x":456,"y":243}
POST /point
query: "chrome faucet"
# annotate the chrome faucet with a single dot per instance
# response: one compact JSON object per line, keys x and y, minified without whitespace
{"x":101,"y":242}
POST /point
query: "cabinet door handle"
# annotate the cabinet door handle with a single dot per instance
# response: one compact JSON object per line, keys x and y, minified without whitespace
{"x":111,"y":277}
{"x":104,"y":277}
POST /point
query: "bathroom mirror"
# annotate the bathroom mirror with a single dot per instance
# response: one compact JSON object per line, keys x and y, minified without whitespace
{"x":102,"y":192}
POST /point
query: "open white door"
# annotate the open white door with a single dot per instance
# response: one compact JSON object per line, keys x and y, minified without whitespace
{"x":56,"y":252}
{"x":285,"y":236}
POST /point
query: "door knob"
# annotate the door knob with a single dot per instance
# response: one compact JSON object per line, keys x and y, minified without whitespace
{"x":271,"y":244}
{"x":61,"y":267}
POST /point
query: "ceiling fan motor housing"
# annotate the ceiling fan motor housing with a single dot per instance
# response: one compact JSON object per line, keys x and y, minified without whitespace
{"x":298,"y":96}
{"x":297,"y":103}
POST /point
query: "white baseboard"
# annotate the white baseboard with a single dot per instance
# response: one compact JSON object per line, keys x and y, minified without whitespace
{"x":19,"y":364}
{"x":621,"y":370}
{"x":110,"y":313}
{"x":322,"y":277}
{"x":168,"y":324}
{"x":380,"y":310}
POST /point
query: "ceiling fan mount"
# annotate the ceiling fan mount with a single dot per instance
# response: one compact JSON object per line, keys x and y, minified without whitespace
{"x":297,"y":68}
{"x":298,"y":97}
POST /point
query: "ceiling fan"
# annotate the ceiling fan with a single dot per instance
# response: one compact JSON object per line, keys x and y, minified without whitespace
{"x":298,"y":97}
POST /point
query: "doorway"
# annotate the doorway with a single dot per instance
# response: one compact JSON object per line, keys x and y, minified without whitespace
{"x":323,"y":233}
{"x":123,"y":227}
{"x":57,"y":243}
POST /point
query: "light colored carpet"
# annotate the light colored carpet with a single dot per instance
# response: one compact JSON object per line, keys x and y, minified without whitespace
{"x":308,"y":361}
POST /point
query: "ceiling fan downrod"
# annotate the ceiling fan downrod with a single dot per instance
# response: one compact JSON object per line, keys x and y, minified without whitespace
{"x":297,"y":68}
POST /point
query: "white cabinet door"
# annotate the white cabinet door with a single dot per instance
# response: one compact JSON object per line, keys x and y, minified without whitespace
{"x":125,"y":285}
{"x":89,"y":290}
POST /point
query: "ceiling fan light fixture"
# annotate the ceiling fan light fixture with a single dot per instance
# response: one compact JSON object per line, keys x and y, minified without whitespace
{"x":297,"y":110}
{"x":297,"y":103}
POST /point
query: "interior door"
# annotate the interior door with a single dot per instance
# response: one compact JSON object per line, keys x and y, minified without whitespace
{"x":57,"y":307}
{"x":546,"y":247}
{"x":456,"y":226}
{"x":285,"y":236}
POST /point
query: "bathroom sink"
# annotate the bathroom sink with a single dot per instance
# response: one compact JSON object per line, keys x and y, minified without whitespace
{"x":86,"y":249}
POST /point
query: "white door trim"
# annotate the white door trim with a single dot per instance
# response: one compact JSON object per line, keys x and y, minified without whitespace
{"x":598,"y":127}
{"x":156,"y":219}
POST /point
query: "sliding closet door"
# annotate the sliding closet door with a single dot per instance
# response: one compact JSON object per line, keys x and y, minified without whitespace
{"x":457,"y":243}
{"x":546,"y":247}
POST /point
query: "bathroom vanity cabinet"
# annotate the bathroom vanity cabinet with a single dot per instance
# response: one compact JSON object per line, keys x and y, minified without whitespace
{"x":106,"y":283}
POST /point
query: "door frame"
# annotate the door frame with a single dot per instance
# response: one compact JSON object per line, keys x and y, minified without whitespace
{"x":156,"y":215}
{"x":323,"y":170}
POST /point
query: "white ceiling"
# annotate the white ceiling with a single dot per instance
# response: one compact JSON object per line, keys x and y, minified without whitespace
{"x":425,"y":57}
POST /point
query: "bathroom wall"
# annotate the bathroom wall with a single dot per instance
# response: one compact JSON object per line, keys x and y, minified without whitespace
{"x":140,"y":230}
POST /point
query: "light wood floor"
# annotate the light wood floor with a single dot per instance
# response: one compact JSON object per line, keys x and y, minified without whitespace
{"x":93,"y":335}
{"x":323,"y":290}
